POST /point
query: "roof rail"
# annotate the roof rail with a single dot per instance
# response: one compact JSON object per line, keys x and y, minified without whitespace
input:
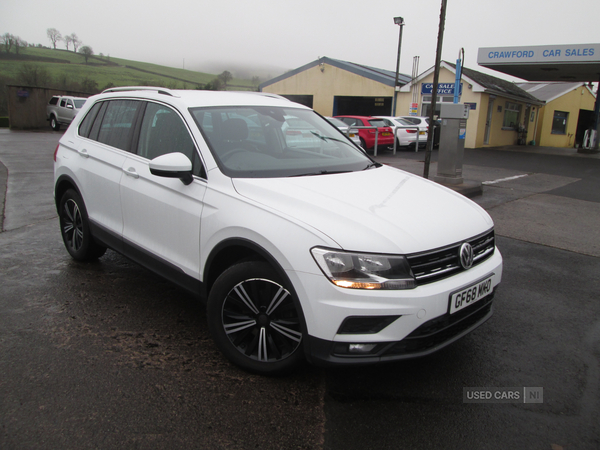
{"x":160,"y":90}
{"x":270,"y":94}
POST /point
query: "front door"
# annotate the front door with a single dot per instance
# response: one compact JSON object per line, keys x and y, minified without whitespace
{"x":161,"y":216}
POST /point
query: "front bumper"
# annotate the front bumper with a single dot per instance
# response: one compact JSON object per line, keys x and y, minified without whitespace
{"x":390,"y":325}
{"x":428,"y":338}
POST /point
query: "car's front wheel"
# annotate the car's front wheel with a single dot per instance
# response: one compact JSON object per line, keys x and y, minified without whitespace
{"x":254,"y":319}
{"x":75,"y":228}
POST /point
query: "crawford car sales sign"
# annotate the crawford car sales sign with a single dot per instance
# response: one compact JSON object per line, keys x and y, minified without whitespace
{"x":540,"y":54}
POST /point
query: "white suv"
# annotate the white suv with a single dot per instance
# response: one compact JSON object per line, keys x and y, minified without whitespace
{"x":302,"y":245}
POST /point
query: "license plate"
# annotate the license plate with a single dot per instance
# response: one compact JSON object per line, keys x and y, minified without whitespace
{"x":470,"y":295}
{"x":351,"y":135}
{"x":421,"y":133}
{"x":386,"y":134}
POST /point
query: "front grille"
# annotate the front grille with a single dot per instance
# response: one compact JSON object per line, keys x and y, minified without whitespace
{"x":441,"y":329}
{"x":438,"y":264}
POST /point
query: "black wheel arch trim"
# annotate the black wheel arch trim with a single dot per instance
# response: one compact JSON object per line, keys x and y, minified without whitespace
{"x":61,"y":182}
{"x":253,"y":250}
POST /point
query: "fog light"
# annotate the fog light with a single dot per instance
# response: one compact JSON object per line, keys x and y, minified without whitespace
{"x":360,"y":348}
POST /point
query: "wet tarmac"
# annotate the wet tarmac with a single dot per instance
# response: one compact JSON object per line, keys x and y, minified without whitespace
{"x":107,"y":355}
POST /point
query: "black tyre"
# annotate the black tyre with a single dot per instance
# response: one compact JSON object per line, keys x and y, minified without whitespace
{"x":254,"y":320}
{"x":75,"y":228}
{"x":54,"y":124}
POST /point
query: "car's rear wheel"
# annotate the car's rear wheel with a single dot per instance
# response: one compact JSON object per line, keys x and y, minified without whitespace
{"x":75,"y":228}
{"x":54,"y":124}
{"x":254,"y":319}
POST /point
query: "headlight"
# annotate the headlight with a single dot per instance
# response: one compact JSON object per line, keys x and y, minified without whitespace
{"x":363,"y":270}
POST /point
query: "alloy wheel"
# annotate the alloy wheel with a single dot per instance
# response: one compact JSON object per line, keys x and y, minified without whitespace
{"x":73,"y":225}
{"x":260,"y":320}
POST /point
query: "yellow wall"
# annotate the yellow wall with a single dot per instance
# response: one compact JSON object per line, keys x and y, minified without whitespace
{"x":325,"y":85}
{"x":330,"y":82}
{"x":477,"y":117}
{"x":580,"y":98}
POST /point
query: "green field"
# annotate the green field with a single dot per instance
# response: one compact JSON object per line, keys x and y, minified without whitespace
{"x":67,"y":65}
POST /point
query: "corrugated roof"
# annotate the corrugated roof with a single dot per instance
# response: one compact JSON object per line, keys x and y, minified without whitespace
{"x":496,"y":85}
{"x":383,"y":76}
{"x":549,"y":91}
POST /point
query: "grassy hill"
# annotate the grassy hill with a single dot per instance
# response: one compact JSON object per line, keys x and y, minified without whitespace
{"x":68,"y":66}
{"x":68,"y":70}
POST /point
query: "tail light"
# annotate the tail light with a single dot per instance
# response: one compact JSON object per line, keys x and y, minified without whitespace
{"x":411,"y":131}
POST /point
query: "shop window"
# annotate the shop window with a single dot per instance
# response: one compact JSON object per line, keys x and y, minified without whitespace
{"x":559,"y":122}
{"x":512,"y":115}
{"x":426,"y":104}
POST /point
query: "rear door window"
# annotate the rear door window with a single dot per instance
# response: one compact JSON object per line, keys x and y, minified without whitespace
{"x":117,"y":123}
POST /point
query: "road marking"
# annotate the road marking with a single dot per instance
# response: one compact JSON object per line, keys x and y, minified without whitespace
{"x":504,"y":179}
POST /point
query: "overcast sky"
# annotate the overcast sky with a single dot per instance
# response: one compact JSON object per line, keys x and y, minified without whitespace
{"x":281,"y":35}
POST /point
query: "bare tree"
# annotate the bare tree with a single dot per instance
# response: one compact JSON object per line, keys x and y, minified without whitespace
{"x":54,"y":36}
{"x":74,"y":40}
{"x":34,"y":75}
{"x":8,"y":40}
{"x":19,"y":43}
{"x":86,"y":51}
{"x":68,"y":40}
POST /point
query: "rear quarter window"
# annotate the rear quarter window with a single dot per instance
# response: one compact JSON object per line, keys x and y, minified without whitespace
{"x":88,"y":121}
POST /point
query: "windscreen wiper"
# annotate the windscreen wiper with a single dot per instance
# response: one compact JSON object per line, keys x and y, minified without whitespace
{"x":320,"y":172}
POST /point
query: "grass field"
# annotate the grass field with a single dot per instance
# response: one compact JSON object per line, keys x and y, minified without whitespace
{"x":68,"y":65}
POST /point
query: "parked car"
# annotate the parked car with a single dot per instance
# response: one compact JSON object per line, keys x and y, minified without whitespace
{"x":319,"y":253}
{"x":407,"y":137}
{"x":367,"y":136}
{"x":61,"y":110}
{"x":344,"y":128}
{"x":423,"y":123}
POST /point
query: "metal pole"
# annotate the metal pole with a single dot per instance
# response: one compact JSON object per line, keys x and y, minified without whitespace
{"x":436,"y":79}
{"x":398,"y":21}
{"x":459,"y":64}
{"x":596,"y":143}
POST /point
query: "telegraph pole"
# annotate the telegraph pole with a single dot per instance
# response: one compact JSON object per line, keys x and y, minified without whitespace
{"x":436,"y":79}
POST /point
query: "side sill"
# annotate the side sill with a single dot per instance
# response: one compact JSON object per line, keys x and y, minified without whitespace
{"x":145,"y":259}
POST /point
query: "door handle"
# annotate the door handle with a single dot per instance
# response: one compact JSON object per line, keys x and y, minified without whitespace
{"x":131,"y":172}
{"x":84,"y":153}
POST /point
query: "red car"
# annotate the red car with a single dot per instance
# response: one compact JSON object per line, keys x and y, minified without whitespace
{"x":367,"y":136}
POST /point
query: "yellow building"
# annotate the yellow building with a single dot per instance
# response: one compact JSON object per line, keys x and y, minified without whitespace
{"x":568,"y":112}
{"x":499,"y":109}
{"x":333,"y":87}
{"x":502,"y":112}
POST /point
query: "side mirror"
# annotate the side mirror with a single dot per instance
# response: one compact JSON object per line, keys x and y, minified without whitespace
{"x":172,"y":165}
{"x":69,"y":106}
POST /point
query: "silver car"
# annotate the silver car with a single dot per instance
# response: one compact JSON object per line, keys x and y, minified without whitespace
{"x":344,"y":128}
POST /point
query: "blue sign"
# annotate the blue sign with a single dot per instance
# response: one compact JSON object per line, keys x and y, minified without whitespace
{"x":443,"y":88}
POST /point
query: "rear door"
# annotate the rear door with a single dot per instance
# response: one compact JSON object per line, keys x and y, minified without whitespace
{"x":102,"y":147}
{"x":161,"y":216}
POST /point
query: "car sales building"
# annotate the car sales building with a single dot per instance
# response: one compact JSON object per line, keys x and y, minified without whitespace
{"x":501,"y":112}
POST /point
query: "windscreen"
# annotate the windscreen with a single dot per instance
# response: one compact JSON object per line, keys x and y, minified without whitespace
{"x":266,"y":142}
